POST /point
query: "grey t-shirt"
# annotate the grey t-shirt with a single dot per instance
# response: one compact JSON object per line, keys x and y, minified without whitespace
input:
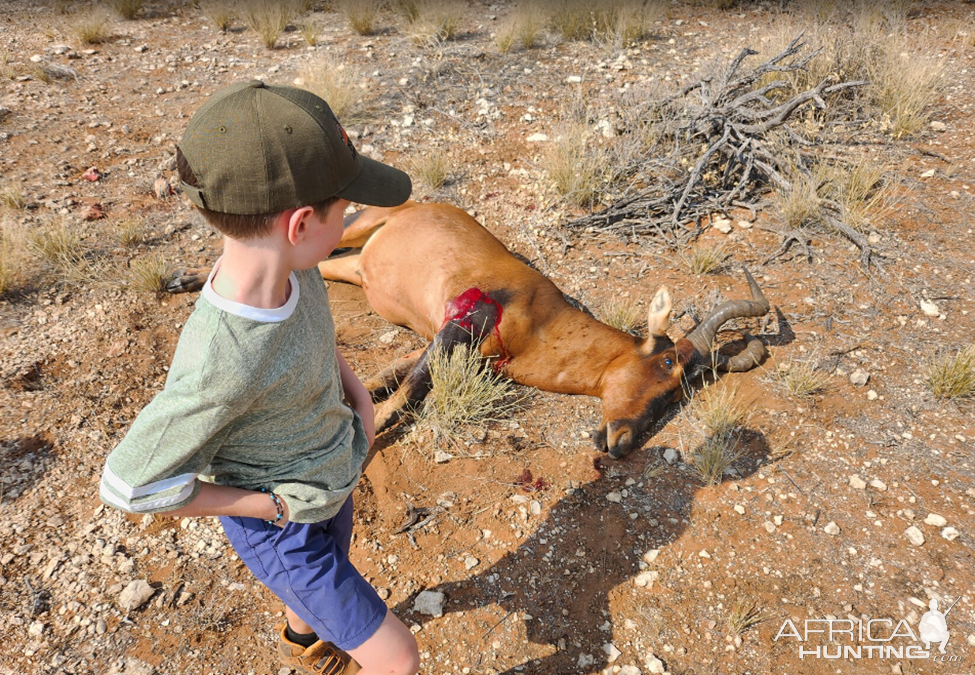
{"x":254,"y":399}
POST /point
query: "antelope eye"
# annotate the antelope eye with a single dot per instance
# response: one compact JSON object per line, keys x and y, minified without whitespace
{"x":669,"y":361}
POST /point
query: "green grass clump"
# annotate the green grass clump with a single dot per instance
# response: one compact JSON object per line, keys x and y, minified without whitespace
{"x":951,"y":376}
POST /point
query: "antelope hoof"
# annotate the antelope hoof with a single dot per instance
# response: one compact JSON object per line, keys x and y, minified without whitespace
{"x":186,"y":281}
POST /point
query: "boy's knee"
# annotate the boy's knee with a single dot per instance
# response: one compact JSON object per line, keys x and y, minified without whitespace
{"x":408,"y":661}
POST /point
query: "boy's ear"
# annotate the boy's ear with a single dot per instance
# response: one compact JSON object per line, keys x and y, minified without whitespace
{"x":295,"y":222}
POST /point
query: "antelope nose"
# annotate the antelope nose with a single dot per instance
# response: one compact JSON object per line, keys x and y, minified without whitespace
{"x":620,"y":441}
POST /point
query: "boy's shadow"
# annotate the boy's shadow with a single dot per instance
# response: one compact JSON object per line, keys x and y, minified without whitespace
{"x":563,"y":573}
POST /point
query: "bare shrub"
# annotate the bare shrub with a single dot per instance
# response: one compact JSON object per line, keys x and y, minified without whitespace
{"x":127,"y":9}
{"x":340,"y":87}
{"x":361,"y":14}
{"x":952,"y":375}
{"x":220,"y":12}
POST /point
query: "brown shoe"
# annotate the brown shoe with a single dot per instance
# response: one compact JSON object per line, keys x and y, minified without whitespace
{"x":322,"y":658}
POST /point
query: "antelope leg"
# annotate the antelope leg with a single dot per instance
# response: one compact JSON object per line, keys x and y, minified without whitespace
{"x":187,"y":280}
{"x":385,"y":382}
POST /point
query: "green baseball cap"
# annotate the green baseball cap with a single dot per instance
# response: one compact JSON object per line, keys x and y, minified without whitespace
{"x":257,"y":149}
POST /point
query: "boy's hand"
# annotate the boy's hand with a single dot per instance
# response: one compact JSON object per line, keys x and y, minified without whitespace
{"x":367,"y":412}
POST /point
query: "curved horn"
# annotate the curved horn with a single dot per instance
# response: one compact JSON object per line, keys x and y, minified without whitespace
{"x":702,"y":337}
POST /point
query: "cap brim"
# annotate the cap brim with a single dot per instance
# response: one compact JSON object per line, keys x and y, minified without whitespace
{"x":378,"y":185}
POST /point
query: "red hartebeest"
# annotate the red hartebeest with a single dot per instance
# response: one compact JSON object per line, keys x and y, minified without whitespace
{"x":434,"y":269}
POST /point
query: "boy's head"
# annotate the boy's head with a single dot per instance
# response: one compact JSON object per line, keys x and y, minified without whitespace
{"x":254,"y":151}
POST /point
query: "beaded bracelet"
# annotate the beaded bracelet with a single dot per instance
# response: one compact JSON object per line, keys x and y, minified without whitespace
{"x":277,"y":505}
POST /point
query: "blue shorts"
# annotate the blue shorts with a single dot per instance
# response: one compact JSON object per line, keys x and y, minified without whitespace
{"x":307,"y":566}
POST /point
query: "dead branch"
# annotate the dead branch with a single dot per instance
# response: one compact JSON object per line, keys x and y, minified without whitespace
{"x":728,"y":121}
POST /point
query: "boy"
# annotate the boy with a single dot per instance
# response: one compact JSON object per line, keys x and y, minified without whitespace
{"x":254,"y":393}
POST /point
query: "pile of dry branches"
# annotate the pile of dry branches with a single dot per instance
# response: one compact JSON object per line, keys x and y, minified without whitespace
{"x":734,"y":124}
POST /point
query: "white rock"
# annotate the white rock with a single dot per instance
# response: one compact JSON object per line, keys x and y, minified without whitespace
{"x":739,"y":509}
{"x":135,"y":595}
{"x":935,"y":519}
{"x":831,"y":528}
{"x":859,"y":377}
{"x":535,"y":507}
{"x":470,"y":562}
{"x":538,"y":137}
{"x":36,"y":629}
{"x":704,"y":553}
{"x":573,"y":79}
{"x":950,"y":533}
{"x":914,"y":535}
{"x":429,"y":603}
{"x":646,"y":579}
{"x":872,"y":395}
{"x":938,"y":126}
{"x":585,"y":660}
{"x":769,"y":526}
{"x":670,"y":455}
{"x":654,"y":665}
{"x":629,"y":670}
{"x":651,"y":555}
{"x":857,"y":483}
{"x":878,"y":485}
{"x":612,"y":653}
{"x":928,"y":174}
{"x":929,"y":308}
{"x":442,"y":457}
{"x":614,"y":497}
{"x":744,"y":224}
{"x":971,"y":639}
{"x":387,"y":337}
{"x":722,"y":225}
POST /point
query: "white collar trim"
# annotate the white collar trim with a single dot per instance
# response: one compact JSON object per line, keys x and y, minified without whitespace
{"x":246,"y":311}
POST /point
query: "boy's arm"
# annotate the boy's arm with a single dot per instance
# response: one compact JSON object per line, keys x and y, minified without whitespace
{"x":358,"y":397}
{"x":223,"y":500}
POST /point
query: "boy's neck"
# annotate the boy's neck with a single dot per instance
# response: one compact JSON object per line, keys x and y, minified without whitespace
{"x":252,"y":273}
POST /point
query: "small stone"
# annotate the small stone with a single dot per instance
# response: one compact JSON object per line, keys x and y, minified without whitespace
{"x":535,"y":507}
{"x":612,"y":653}
{"x":831,"y":529}
{"x":183,"y":598}
{"x":670,"y":455}
{"x":383,"y":593}
{"x":161,"y":188}
{"x":929,"y":308}
{"x":470,"y":562}
{"x":629,"y":670}
{"x":950,"y":533}
{"x":614,"y":497}
{"x":935,"y":519}
{"x":646,"y":579}
{"x":938,"y":126}
{"x":36,"y":629}
{"x":872,"y":395}
{"x":769,"y":526}
{"x":388,"y":337}
{"x":744,"y":224}
{"x":928,"y":174}
{"x":857,"y":483}
{"x":538,"y":137}
{"x":704,"y":554}
{"x":914,"y":535}
{"x":971,"y":639}
{"x":859,"y":377}
{"x":654,"y":665}
{"x":651,"y":555}
{"x":442,"y":457}
{"x":878,"y":485}
{"x":739,"y":509}
{"x":722,"y":225}
{"x":573,"y":79}
{"x":135,"y":595}
{"x":429,"y":603}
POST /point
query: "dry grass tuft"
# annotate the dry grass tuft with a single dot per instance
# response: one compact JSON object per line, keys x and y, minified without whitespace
{"x":614,"y":22}
{"x":267,"y":18}
{"x":361,"y":14}
{"x":127,"y":9}
{"x":524,"y":27}
{"x":438,"y":21}
{"x":800,"y":377}
{"x":14,"y":255}
{"x":860,"y":190}
{"x":128,"y":231}
{"x":745,"y":615}
{"x":952,"y":376}
{"x":408,"y":9}
{"x":56,"y":242}
{"x":718,"y":410}
{"x":220,"y":12}
{"x":92,"y":27}
{"x":713,"y":457}
{"x":622,"y":314}
{"x":148,"y":274}
{"x":13,"y":198}
{"x":431,"y":169}
{"x":7,"y":71}
{"x":309,"y":30}
{"x":578,"y":170}
{"x":466,"y":393}
{"x":703,"y":259}
{"x":341,"y":88}
{"x":905,"y":84}
{"x":570,"y":18}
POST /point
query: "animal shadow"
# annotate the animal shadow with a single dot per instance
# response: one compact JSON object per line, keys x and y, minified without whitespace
{"x":563,"y":573}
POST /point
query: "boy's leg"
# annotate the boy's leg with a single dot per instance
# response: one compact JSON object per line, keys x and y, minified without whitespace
{"x":391,"y":649}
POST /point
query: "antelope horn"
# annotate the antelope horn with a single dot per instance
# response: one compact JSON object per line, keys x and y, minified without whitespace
{"x":702,"y":337}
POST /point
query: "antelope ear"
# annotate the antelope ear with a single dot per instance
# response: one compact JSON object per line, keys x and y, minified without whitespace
{"x":658,"y":317}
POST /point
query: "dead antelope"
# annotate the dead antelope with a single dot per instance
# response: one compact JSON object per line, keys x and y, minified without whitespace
{"x":434,"y":269}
